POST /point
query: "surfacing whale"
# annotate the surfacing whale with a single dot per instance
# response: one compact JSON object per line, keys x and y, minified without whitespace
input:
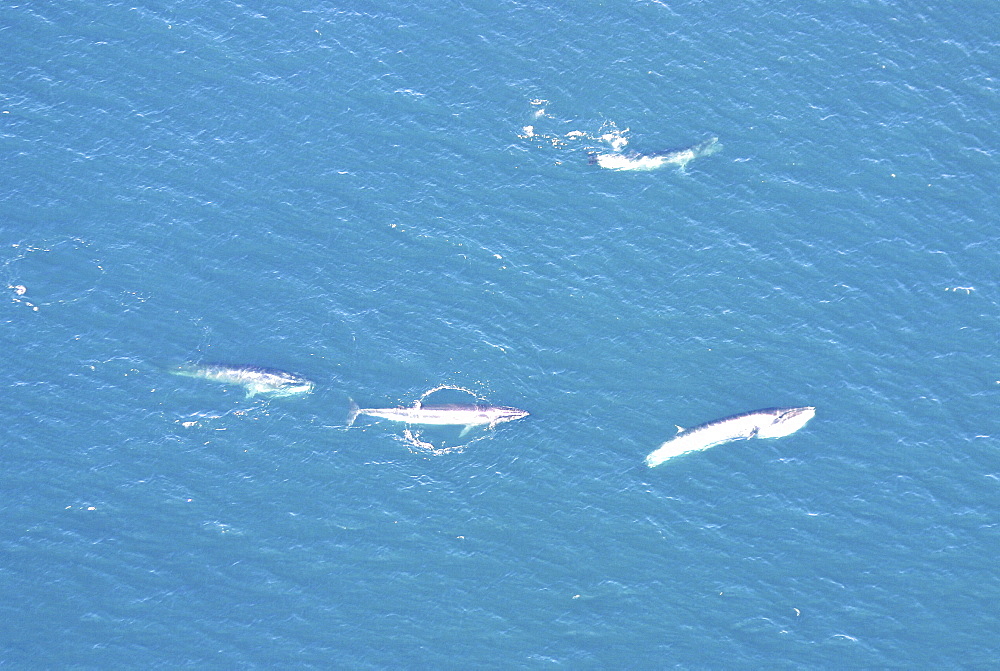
{"x":766,"y":423}
{"x":454,"y":414}
{"x":637,"y":161}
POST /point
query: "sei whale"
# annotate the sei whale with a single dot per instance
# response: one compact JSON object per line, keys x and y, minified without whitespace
{"x":442,"y":415}
{"x":256,"y":380}
{"x":766,"y":423}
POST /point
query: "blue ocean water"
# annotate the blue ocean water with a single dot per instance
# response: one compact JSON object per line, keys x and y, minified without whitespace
{"x":349,"y":192}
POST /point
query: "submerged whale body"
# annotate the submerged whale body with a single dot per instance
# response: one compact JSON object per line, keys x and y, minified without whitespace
{"x":766,"y":423}
{"x":637,"y":161}
{"x":256,"y":379}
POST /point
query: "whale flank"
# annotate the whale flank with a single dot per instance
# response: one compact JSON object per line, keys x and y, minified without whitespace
{"x":766,"y":423}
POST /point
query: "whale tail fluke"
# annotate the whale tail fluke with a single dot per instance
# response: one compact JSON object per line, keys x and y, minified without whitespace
{"x":352,"y":413}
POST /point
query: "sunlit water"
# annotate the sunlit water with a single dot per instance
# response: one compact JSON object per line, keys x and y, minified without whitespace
{"x":349,"y":193}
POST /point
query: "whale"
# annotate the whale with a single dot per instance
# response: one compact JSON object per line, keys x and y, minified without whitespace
{"x":765,"y":423}
{"x":654,"y":160}
{"x":255,"y":379}
{"x":456,"y":414}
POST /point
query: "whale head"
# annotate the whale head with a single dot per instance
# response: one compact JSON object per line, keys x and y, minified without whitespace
{"x":786,"y":421}
{"x":504,"y":413}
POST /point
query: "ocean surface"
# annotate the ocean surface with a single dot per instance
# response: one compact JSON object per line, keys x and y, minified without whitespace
{"x":393,"y":197}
